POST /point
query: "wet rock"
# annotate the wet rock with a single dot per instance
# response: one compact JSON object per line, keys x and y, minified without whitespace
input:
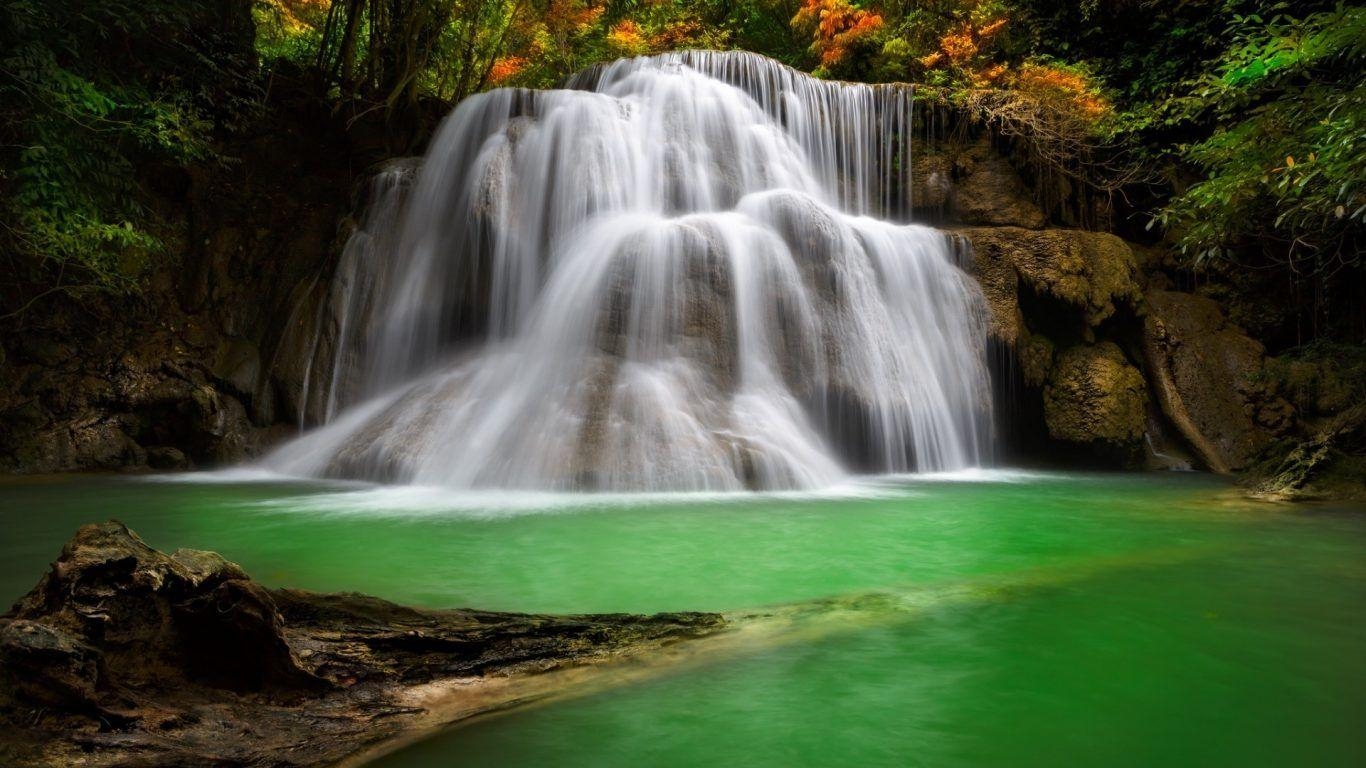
{"x":1208,"y":378}
{"x":238,"y":365}
{"x":149,"y":612}
{"x":932,"y":182}
{"x":1095,"y":397}
{"x":994,"y":268}
{"x":1035,"y":356}
{"x":123,"y":655}
{"x":168,"y":457}
{"x":1329,"y":464}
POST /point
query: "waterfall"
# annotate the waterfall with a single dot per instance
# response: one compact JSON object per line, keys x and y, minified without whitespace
{"x":690,"y":271}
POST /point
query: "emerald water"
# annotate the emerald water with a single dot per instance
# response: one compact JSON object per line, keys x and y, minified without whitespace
{"x":1001,"y":618}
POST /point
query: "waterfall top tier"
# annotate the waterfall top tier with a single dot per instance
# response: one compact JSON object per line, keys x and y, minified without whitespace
{"x":856,"y":136}
{"x":684,"y":272}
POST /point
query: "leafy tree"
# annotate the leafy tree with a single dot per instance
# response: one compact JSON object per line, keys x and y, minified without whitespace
{"x":90,"y":92}
{"x":1286,"y":163}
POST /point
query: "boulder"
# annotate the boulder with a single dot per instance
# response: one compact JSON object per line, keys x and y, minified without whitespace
{"x":1208,"y":378}
{"x":150,"y":613}
{"x":1095,"y":397}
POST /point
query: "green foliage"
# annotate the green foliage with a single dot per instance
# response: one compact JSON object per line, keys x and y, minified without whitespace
{"x":1286,"y":161}
{"x":89,"y":93}
{"x":1240,"y":121}
{"x":289,"y":30}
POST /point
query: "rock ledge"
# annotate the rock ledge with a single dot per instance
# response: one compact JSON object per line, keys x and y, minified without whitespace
{"x":125,"y":655}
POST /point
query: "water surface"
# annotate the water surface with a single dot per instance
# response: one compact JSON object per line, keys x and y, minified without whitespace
{"x":1095,"y":619}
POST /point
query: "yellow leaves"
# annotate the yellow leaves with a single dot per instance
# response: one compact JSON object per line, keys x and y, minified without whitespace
{"x":959,"y":46}
{"x":295,"y":17}
{"x":627,"y":37}
{"x":989,"y":76}
{"x":1063,"y":88}
{"x":990,"y":29}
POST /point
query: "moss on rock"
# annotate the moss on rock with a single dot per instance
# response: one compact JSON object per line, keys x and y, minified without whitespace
{"x":1094,"y":272}
{"x":1095,"y":397}
{"x":1035,"y":355}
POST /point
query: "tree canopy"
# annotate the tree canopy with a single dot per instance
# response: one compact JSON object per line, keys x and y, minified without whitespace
{"x":1236,"y":125}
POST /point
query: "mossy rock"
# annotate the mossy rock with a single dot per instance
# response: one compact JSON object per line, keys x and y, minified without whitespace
{"x":1094,"y":273}
{"x":1035,"y":355}
{"x":1329,"y":465}
{"x":1096,"y":397}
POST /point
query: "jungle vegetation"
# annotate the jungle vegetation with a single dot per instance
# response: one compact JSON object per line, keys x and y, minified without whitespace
{"x":1232,"y":131}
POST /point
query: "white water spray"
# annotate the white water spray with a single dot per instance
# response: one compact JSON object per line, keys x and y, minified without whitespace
{"x":673,"y":279}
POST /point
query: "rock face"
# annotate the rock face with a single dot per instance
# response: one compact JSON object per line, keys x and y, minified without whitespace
{"x":1054,"y":296}
{"x":124,"y":655}
{"x":972,"y":185}
{"x":198,"y":370}
{"x":1092,"y":273}
{"x":1207,"y":376}
{"x":1095,"y":396}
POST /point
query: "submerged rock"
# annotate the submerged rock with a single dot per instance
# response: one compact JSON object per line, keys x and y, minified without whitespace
{"x":123,"y":654}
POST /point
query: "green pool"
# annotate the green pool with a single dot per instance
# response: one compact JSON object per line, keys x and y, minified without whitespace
{"x":1019,"y":619}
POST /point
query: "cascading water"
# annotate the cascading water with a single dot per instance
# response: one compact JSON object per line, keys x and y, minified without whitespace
{"x":673,"y":279}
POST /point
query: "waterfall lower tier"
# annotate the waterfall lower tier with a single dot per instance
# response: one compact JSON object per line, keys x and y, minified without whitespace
{"x":687,"y":273}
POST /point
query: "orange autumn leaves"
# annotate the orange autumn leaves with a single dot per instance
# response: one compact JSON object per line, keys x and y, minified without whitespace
{"x":1065,"y":87}
{"x":963,"y":49}
{"x":546,"y":43}
{"x":506,"y":68}
{"x":627,"y":37}
{"x":537,"y":35}
{"x":837,"y":26}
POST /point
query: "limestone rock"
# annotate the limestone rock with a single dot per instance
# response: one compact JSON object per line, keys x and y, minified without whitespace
{"x":1208,"y":378}
{"x":995,"y":272}
{"x":1035,"y":355}
{"x":1094,"y":396}
{"x":988,"y":191}
{"x":1094,"y":272}
{"x":931,"y":182}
